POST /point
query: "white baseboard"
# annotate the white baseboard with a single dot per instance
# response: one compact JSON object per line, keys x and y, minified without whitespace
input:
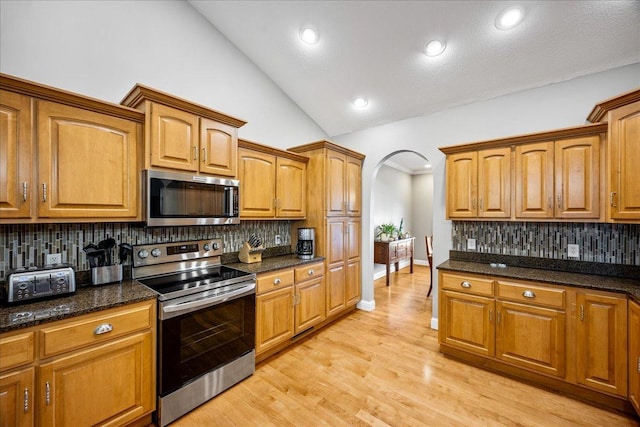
{"x":421,"y":262}
{"x":434,"y":323}
{"x":383,"y":273}
{"x":366,"y":305}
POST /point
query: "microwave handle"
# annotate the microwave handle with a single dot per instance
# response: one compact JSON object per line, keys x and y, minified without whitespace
{"x":228,"y":194}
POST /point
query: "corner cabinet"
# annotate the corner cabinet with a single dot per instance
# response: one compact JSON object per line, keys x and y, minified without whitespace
{"x":334,"y":210}
{"x":48,"y":373}
{"x":68,"y":157}
{"x":182,"y":135}
{"x":634,"y":355}
{"x":273,"y":183}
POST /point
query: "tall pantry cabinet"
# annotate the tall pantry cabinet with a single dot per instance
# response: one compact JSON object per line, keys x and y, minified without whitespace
{"x":334,"y":208}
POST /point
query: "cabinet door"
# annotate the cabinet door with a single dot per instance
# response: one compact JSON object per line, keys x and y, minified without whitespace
{"x":274,"y":318}
{"x":534,"y":180}
{"x":218,"y":148}
{"x":335,"y":294}
{"x":624,"y":161}
{"x":531,"y":337}
{"x":16,"y":185}
{"x":174,"y":138}
{"x":310,"y":309}
{"x":601,"y":345}
{"x":353,"y":289}
{"x":17,"y":398}
{"x":336,"y":240}
{"x":111,"y":384}
{"x":577,"y":178}
{"x":336,"y":183}
{"x":467,"y":322}
{"x":462,"y":173}
{"x":87,"y":164}
{"x":634,"y":355}
{"x":494,"y":183}
{"x":291,"y":190}
{"x":354,"y":187}
{"x":257,"y":174}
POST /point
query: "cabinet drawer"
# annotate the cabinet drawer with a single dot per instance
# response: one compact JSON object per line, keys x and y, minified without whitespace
{"x":309,"y":271}
{"x":275,"y":280}
{"x":95,"y":328}
{"x":468,"y":284}
{"x":530,"y":294}
{"x":16,"y":350}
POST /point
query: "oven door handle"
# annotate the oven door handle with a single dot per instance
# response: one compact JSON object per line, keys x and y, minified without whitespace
{"x":187,"y":307}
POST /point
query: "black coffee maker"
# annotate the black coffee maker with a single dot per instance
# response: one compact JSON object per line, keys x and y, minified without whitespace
{"x":306,"y":241}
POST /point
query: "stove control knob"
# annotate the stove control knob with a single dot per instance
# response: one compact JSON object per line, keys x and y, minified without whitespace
{"x":156,"y":252}
{"x":143,"y":253}
{"x":216,"y":246}
{"x":206,"y":247}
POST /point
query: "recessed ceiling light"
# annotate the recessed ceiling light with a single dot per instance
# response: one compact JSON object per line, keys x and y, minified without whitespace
{"x":509,"y":18}
{"x":434,"y":48}
{"x":360,"y":103}
{"x":309,"y":35}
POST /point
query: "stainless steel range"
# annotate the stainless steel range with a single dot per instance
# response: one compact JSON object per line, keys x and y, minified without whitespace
{"x":206,"y":322}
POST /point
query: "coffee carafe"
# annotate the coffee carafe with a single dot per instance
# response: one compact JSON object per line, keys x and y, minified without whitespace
{"x":306,"y":241}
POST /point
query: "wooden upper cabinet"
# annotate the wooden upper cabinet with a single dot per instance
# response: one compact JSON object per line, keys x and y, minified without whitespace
{"x":601,"y":342}
{"x":336,"y":183}
{"x":186,"y":136}
{"x":577,"y":178}
{"x":634,"y":355}
{"x":494,"y":183}
{"x":87,"y":164}
{"x":16,"y":186}
{"x":218,"y":148}
{"x":273,"y":183}
{"x":534,"y":180}
{"x":462,"y":173}
{"x":354,"y":187}
{"x":174,"y":138}
{"x":257,"y":174}
{"x":624,"y":163}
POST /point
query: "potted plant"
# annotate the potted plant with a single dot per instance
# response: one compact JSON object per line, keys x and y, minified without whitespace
{"x":386,"y":231}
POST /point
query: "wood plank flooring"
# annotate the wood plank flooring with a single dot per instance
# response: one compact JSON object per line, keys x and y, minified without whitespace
{"x":383,"y":368}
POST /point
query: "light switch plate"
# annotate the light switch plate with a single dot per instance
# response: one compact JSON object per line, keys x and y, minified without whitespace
{"x":573,"y":251}
{"x":54,"y":259}
{"x":278,"y":239}
{"x":471,"y":244}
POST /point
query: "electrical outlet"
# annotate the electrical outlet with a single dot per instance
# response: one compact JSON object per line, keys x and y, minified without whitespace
{"x":471,"y":244}
{"x":278,"y":239}
{"x":573,"y":251}
{"x":54,"y":259}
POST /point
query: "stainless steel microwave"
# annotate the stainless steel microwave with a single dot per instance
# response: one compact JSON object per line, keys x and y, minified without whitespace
{"x":174,"y":198}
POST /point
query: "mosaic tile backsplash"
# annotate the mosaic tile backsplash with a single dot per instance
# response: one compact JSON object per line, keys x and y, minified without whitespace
{"x":28,"y":245}
{"x":604,"y":243}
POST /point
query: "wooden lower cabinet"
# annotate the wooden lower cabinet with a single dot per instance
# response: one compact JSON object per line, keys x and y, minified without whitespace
{"x":71,"y":376}
{"x":467,"y":322}
{"x":17,"y":397}
{"x":602,"y":342}
{"x":310,"y":297}
{"x":634,"y":355}
{"x":274,"y":318}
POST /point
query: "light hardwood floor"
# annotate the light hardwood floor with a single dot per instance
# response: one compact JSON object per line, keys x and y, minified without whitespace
{"x":383,"y":368}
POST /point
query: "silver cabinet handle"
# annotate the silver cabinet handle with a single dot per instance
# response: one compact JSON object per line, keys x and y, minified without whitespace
{"x":550,"y":202}
{"x":277,"y":281}
{"x":529,"y":294}
{"x":481,"y":203}
{"x":612,"y":199}
{"x":103,"y":329}
{"x":559,"y":202}
{"x":26,"y":400}
{"x":44,"y":191}
{"x":465,"y":284}
{"x":25,"y":187}
{"x":195,"y":153}
{"x":639,"y":364}
{"x":47,"y":393}
{"x":204,"y":154}
{"x":473,"y":203}
{"x":582,"y":312}
{"x":490,"y":315}
{"x":498,"y":316}
{"x":311,"y":272}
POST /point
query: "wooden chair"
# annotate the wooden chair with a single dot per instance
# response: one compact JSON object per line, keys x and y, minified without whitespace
{"x":429,"y":241}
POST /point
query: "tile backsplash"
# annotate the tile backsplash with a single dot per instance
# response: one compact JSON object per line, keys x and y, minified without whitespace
{"x":28,"y":244}
{"x":598,"y":242}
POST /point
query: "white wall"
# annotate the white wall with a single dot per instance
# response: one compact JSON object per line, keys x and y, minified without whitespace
{"x":102,"y":48}
{"x":422,"y":196}
{"x":550,"y":107}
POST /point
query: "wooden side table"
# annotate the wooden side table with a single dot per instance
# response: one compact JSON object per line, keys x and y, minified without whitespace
{"x":392,"y":253}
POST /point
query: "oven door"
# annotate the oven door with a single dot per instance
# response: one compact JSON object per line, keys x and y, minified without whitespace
{"x":203,"y":340}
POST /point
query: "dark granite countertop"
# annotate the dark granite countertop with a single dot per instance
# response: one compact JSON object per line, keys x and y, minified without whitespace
{"x":273,"y":263}
{"x":626,"y":285}
{"x":87,"y":299}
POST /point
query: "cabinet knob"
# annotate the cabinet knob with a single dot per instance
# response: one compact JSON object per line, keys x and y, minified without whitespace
{"x":103,"y":329}
{"x":277,"y":281}
{"x":465,"y":284}
{"x":311,"y":272}
{"x":529,"y":294}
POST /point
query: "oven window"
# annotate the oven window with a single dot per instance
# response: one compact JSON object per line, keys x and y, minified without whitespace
{"x":201,"y":341}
